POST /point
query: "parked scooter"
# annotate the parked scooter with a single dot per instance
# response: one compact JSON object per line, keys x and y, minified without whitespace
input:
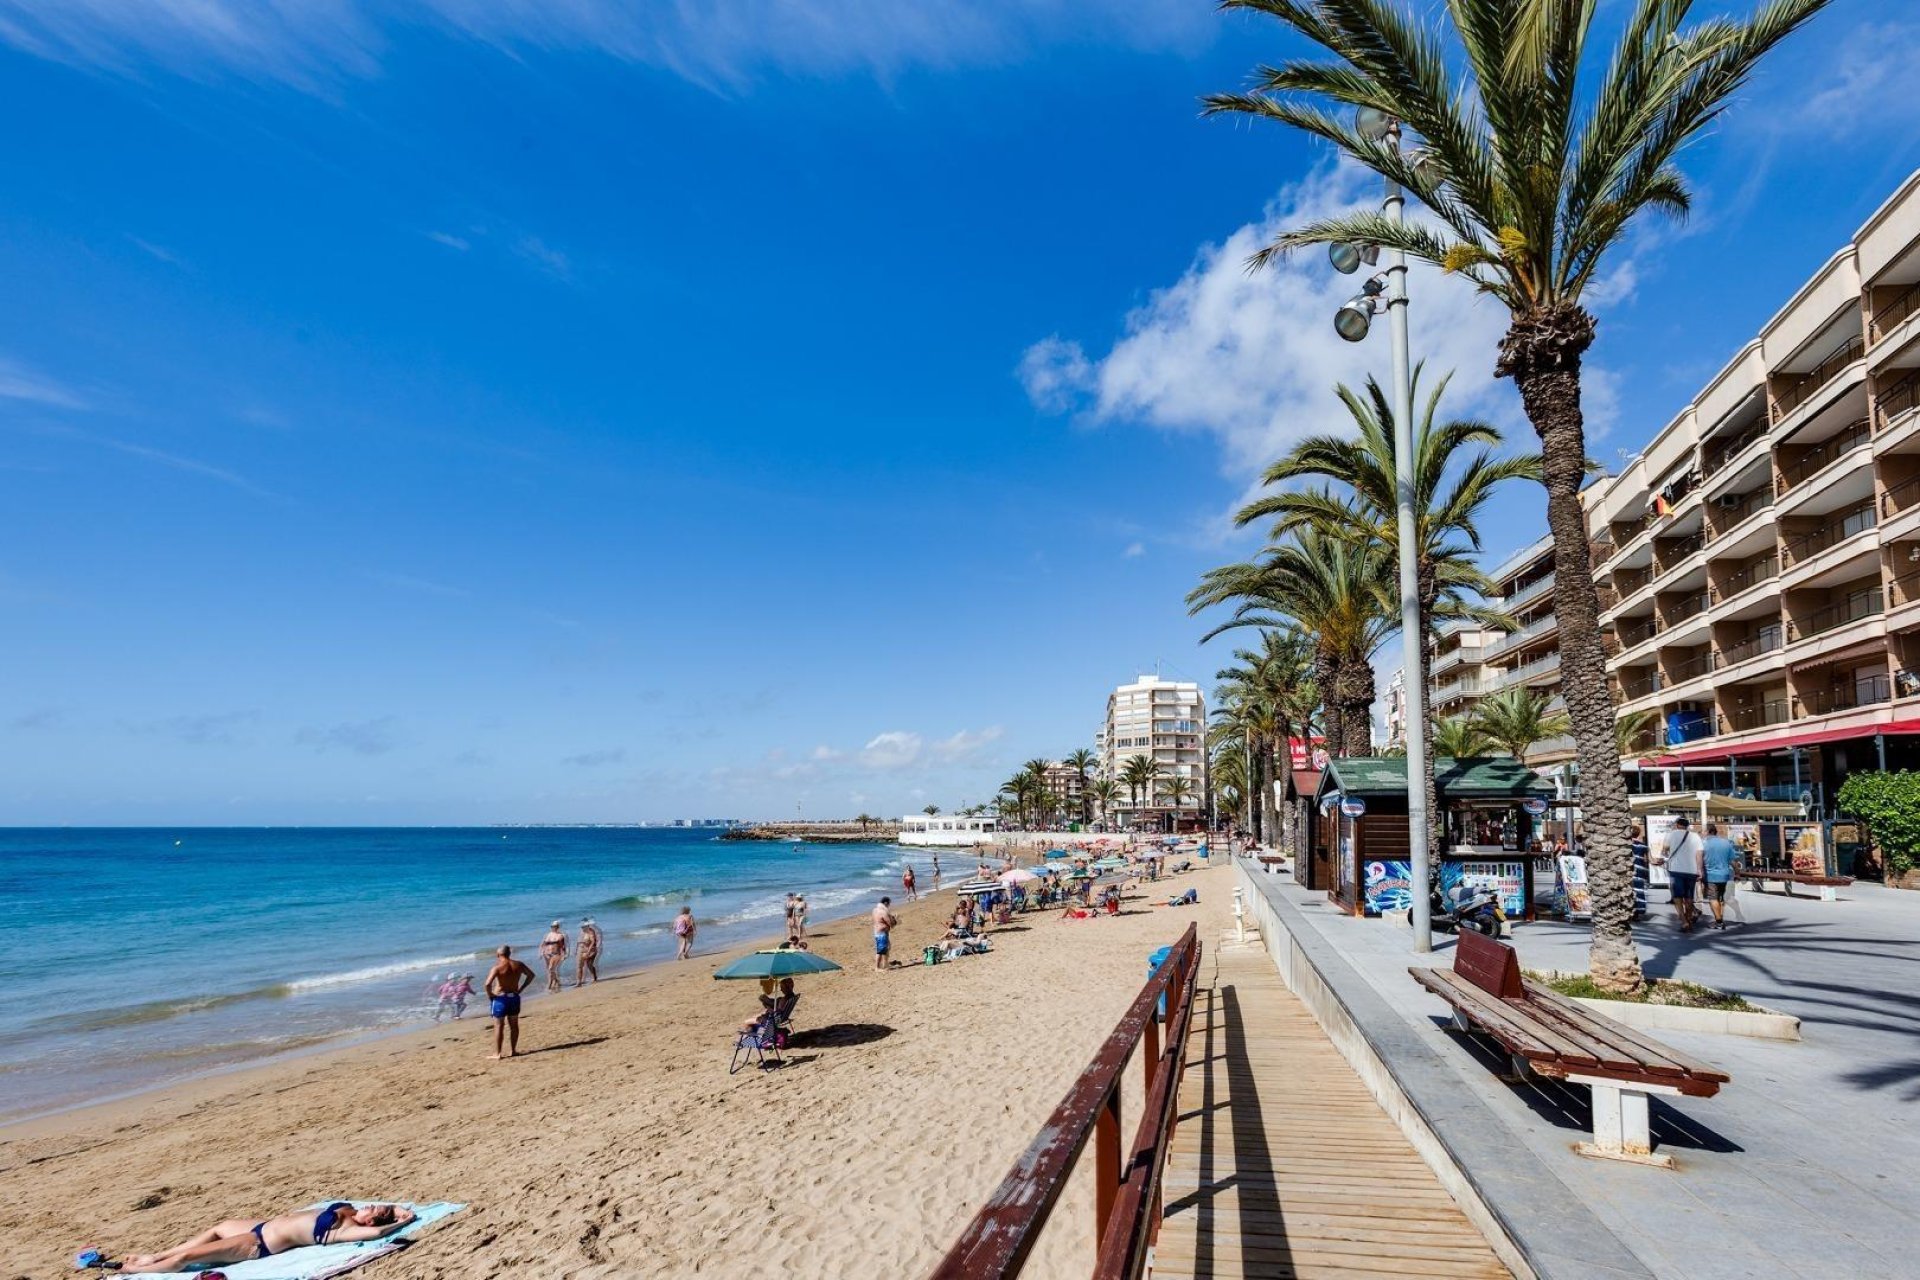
{"x":1469,"y":906}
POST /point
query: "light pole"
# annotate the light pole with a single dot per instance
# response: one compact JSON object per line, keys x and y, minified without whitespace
{"x":1351,"y":322}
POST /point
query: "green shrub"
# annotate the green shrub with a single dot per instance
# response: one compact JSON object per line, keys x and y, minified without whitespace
{"x":1889,"y":803}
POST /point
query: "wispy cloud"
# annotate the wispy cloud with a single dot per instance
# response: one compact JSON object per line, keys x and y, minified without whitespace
{"x":594,"y":759}
{"x":545,"y":257}
{"x":178,"y":462}
{"x":18,"y":382}
{"x":221,"y":728}
{"x":37,"y":719}
{"x":424,"y":586}
{"x":1134,"y":551}
{"x":157,"y":251}
{"x":315,"y":43}
{"x":361,"y":737}
{"x":450,"y":241}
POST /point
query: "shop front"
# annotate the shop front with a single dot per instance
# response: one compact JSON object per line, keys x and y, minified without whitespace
{"x":1487,"y":809}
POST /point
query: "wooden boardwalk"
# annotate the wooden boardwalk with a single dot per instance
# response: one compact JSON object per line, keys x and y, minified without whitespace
{"x":1283,"y":1165}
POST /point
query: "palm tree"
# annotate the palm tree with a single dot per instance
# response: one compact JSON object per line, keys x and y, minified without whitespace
{"x":1138,"y":773}
{"x":931,"y":809}
{"x":1080,"y":761}
{"x":1450,"y":487}
{"x":1263,"y":701}
{"x":1636,"y":733}
{"x":1532,"y":179}
{"x":1331,"y":591}
{"x":865,"y":820}
{"x":1177,"y":791}
{"x":1460,"y":738}
{"x":1514,"y":719}
{"x":1105,"y":791}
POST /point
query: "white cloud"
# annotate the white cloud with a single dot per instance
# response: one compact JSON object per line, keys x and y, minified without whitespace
{"x":18,"y":382}
{"x":157,"y":251}
{"x":824,"y":753}
{"x":315,"y":42}
{"x":450,"y":241}
{"x":892,"y":750}
{"x":544,"y":256}
{"x":1134,"y":551}
{"x":964,"y":746}
{"x":1869,"y":74}
{"x":1250,"y":359}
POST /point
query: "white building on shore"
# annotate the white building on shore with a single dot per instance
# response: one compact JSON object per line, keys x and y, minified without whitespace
{"x":946,"y":830}
{"x":1165,"y":721}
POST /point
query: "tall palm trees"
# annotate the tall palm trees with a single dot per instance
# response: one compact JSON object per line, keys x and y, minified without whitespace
{"x":1138,"y":774}
{"x":1514,"y":719}
{"x":1533,"y":179}
{"x":1265,"y":699}
{"x":1105,"y":792}
{"x":1450,"y":488}
{"x":1080,"y":761}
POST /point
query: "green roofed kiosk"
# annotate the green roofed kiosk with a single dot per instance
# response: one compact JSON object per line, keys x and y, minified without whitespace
{"x":1358,"y":853}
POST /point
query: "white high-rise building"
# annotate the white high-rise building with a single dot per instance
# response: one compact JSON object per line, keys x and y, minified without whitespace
{"x":1165,"y":721}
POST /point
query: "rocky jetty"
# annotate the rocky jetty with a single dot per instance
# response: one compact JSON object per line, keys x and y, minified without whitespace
{"x":820,"y":832}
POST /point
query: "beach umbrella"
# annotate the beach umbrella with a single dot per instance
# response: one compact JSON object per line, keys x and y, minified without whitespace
{"x":1017,"y":876}
{"x":785,"y":963}
{"x":978,"y":890}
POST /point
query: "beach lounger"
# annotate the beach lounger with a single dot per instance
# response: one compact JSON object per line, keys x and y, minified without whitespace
{"x":766,"y":1040}
{"x":320,"y":1261}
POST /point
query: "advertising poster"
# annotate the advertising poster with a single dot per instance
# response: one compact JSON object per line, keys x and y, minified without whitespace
{"x":1658,"y":824}
{"x":1804,"y":847}
{"x":1746,"y":842}
{"x":1389,"y":886}
{"x":1570,"y":894}
{"x":1507,"y":880}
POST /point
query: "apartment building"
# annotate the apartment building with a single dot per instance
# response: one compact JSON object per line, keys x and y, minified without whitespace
{"x":1166,"y":721}
{"x":1396,"y":702}
{"x":1759,"y":562}
{"x":1063,"y":781}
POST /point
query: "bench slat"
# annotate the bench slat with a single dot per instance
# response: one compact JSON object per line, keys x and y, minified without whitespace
{"x":1654,"y":1053}
{"x":1504,"y":1021}
{"x":1608,"y":1050}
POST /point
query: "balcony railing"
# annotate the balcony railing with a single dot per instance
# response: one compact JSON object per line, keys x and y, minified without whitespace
{"x":1726,"y":516}
{"x":1460,"y":689}
{"x":1628,"y":581}
{"x":1516,"y":639}
{"x":1635,"y":631}
{"x":1817,"y":377}
{"x":1886,"y":319}
{"x":1822,"y":456}
{"x":1651,"y":683}
{"x":1757,"y":571}
{"x":1906,"y":589}
{"x":1896,"y":400}
{"x":1845,"y":525}
{"x":1668,"y":553}
{"x":1861,"y":604}
{"x":1721,"y":452}
{"x":1869,"y":691}
{"x":1520,"y":675}
{"x":1685,"y":607}
{"x":1532,"y":591}
{"x":1900,"y":497}
{"x":1765,"y":640}
{"x":1699,"y":665}
{"x":1741,"y":719}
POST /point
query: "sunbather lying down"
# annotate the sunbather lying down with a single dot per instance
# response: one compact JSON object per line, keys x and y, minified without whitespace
{"x":1187,"y":899}
{"x":242,"y":1239}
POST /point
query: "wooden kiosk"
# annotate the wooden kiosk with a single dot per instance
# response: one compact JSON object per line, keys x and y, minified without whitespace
{"x":1359,"y":855}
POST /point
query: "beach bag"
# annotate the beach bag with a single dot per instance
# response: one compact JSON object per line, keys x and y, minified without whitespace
{"x":932,"y":955}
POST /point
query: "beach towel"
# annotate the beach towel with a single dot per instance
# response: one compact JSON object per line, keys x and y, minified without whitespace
{"x":319,"y":1261}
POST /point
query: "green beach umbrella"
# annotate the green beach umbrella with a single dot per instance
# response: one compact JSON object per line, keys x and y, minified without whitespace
{"x":775,"y":964}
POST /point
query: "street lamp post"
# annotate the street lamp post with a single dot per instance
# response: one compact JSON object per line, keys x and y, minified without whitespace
{"x":1352,"y":322}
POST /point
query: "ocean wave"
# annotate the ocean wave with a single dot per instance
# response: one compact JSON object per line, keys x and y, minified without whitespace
{"x":836,"y":898}
{"x":374,"y":973}
{"x":635,"y":900}
{"x":133,"y":1015}
{"x":649,"y":930}
{"x":764,"y":909}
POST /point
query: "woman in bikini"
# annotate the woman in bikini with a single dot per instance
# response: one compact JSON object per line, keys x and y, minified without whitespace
{"x":241,"y":1240}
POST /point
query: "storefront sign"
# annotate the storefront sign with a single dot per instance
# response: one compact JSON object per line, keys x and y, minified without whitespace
{"x":1534,"y":805}
{"x":1389,"y":887}
{"x":1353,"y":806}
{"x":1804,"y":847}
{"x":1570,"y":894}
{"x":1507,"y":880}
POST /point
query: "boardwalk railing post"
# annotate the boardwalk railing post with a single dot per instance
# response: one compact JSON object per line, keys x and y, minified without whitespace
{"x":1106,"y":1164}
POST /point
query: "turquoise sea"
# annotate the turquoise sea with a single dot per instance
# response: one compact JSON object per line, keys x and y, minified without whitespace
{"x":135,"y":957}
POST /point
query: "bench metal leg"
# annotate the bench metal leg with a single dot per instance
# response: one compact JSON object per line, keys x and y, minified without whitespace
{"x":1828,"y":893}
{"x":1620,"y":1127}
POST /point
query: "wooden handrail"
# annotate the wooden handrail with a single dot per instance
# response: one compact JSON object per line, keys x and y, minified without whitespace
{"x":997,"y":1242}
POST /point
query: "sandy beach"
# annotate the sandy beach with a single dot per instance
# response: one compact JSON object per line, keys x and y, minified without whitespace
{"x":619,"y":1145}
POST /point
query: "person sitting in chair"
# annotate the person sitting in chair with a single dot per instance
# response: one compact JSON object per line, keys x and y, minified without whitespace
{"x":243,"y":1239}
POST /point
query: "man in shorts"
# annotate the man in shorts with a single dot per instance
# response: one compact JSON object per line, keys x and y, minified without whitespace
{"x":505,"y":981}
{"x":1680,"y":853}
{"x":883,"y":922}
{"x":1717,"y":858}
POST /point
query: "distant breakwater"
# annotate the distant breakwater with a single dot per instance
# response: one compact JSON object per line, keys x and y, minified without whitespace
{"x":822,"y":832}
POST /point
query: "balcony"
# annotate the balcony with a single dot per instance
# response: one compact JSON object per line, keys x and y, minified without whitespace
{"x":1722,"y":453}
{"x":1810,"y":383}
{"x":1687,"y":606}
{"x":1519,"y":639}
{"x":1670,"y":553}
{"x":1888,"y":318}
{"x":1822,"y":456}
{"x":1635,"y":631}
{"x":1460,"y":689}
{"x":1529,"y":593}
{"x":1772,"y":712}
{"x":1530,"y":673}
{"x":1765,"y":569}
{"x":1645,"y":687}
{"x":1861,"y":604}
{"x":1905,"y":590}
{"x":1724,"y":517}
{"x":1895,"y":401}
{"x":1764,"y":641}
{"x":1870,"y":691}
{"x":1693,"y":668}
{"x":1844,"y":525}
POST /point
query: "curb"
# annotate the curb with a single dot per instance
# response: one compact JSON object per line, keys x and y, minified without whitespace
{"x":1763,"y":1025}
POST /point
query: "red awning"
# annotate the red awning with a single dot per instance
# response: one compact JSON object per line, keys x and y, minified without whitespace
{"x":1783,"y":742}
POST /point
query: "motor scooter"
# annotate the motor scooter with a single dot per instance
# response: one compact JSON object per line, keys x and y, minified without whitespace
{"x":1469,"y":906}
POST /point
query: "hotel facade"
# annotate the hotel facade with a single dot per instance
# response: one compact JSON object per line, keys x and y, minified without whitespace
{"x":1759,"y":563}
{"x":1165,"y":721}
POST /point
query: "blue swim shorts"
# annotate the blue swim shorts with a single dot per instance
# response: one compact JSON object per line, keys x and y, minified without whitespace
{"x":1683,"y":884}
{"x":505,"y":1006}
{"x":881,"y":942}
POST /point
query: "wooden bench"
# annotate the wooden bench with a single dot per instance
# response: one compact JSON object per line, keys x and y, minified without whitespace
{"x":1787,"y":879}
{"x":1546,"y":1033}
{"x":1271,"y":862}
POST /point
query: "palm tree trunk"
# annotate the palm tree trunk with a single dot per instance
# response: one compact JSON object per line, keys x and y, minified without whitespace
{"x":1541,"y":353}
{"x":1277,"y":832}
{"x":1354,"y":692}
{"x":1326,"y":671}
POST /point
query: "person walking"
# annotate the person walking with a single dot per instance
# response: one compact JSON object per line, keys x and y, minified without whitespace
{"x":906,"y":883}
{"x":553,"y":953}
{"x":800,"y":916}
{"x":683,"y":928}
{"x":1680,"y":854}
{"x":1717,"y":859}
{"x":587,"y":959}
{"x":505,"y":981}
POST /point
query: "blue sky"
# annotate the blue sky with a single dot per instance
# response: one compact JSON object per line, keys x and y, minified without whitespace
{"x":448,"y":412}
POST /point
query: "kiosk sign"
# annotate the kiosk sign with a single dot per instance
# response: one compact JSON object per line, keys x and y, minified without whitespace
{"x":1534,"y":805}
{"x":1353,"y":806}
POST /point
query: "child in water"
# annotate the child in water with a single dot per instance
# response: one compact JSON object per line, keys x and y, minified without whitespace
{"x":462,"y":988}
